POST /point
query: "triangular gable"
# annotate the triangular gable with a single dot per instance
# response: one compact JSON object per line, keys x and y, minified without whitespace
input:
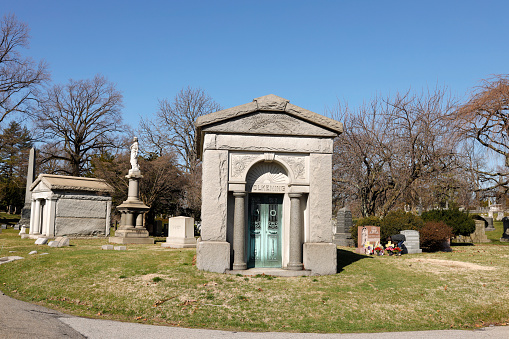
{"x":270,"y":103}
{"x":268,"y":123}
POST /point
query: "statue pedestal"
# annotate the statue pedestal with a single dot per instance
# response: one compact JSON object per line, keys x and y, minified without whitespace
{"x":132,"y":230}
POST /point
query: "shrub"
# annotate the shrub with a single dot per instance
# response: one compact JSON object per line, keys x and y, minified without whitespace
{"x":460,"y":222}
{"x":391,"y":224}
{"x":397,"y":221}
{"x":434,"y":234}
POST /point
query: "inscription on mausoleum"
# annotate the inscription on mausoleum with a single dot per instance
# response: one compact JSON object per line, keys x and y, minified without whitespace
{"x":268,"y":188}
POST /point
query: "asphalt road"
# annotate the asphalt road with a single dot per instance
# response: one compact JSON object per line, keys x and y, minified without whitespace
{"x":20,"y":320}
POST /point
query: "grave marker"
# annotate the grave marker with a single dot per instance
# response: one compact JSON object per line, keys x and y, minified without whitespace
{"x":367,"y":235}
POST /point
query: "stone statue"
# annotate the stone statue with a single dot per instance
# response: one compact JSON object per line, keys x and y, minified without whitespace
{"x":134,"y":156}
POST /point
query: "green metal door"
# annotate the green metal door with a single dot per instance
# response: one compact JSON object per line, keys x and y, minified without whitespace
{"x":265,"y":219}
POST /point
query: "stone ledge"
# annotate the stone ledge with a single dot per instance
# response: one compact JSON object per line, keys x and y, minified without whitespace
{"x":276,"y":272}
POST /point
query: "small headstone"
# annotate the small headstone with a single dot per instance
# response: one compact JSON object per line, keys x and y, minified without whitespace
{"x":412,"y":241}
{"x":367,"y":235}
{"x":4,"y":226}
{"x":16,"y":227}
{"x":342,"y":235}
{"x":41,"y":241}
{"x":53,"y":243}
{"x":23,"y":230}
{"x":479,"y":235}
{"x":107,"y":247}
{"x":500,"y":216}
{"x":33,"y":252}
{"x":180,"y":233}
{"x":62,"y":241}
{"x":120,"y":248}
{"x":43,"y":253}
{"x":505,"y":235}
{"x":490,"y":226}
{"x":158,"y":230}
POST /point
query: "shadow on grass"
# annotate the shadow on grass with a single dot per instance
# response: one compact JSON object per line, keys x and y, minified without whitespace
{"x":345,"y":258}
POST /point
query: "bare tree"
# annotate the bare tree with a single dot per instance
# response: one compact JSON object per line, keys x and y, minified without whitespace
{"x":485,"y":119}
{"x":173,"y":128}
{"x":19,"y":77}
{"x":391,"y":145}
{"x":78,"y":120}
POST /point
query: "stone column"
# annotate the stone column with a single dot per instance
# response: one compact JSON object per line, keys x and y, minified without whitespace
{"x":296,"y":218}
{"x":37,"y":218}
{"x":32,"y":217}
{"x":239,"y":228}
{"x":139,"y":220}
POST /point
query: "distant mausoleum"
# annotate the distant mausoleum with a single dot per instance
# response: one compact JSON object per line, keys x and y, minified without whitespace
{"x":69,"y":206}
{"x":267,"y":189}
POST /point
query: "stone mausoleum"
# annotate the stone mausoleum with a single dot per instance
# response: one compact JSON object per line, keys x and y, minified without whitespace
{"x":69,"y":206}
{"x":267,"y":189}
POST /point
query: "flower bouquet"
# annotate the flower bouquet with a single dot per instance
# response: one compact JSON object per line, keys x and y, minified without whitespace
{"x":396,"y":250}
{"x":379,"y":250}
{"x":389,"y":249}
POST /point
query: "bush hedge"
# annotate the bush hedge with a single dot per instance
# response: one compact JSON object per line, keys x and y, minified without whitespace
{"x":391,"y":224}
{"x":459,"y":221}
{"x":434,"y":235}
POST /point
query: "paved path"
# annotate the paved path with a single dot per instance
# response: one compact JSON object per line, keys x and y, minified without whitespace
{"x":20,"y":320}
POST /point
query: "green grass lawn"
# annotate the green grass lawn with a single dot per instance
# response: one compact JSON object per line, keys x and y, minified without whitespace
{"x":463,"y":289}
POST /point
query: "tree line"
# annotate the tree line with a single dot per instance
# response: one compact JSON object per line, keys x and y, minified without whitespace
{"x":410,"y":150}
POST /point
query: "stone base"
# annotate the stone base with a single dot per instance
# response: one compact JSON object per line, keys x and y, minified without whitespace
{"x":487,"y":229}
{"x":414,"y":250}
{"x":131,"y":236}
{"x":504,"y":239}
{"x":213,"y":256}
{"x":25,"y":236}
{"x":320,"y":258}
{"x":179,"y":242}
{"x":343,"y":239}
{"x":131,"y":240}
{"x":277,"y":272}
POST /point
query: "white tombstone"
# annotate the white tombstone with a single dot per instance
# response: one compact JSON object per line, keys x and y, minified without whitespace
{"x":41,"y":241}
{"x":180,"y":233}
{"x":23,"y":230}
{"x":59,"y":242}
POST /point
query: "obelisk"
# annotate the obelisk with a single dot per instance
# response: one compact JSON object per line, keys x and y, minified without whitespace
{"x":25,"y":211}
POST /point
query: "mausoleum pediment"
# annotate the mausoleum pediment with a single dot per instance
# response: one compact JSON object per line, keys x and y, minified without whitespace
{"x":269,"y":123}
{"x":269,"y":114}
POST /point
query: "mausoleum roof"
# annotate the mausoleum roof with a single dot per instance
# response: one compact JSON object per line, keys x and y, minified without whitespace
{"x":62,"y":182}
{"x":267,"y":115}
{"x":270,"y":103}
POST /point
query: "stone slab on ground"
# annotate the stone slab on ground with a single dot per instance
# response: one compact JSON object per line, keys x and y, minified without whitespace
{"x":276,"y":272}
{"x":62,"y":241}
{"x":127,"y":240}
{"x":107,"y":247}
{"x":10,"y":258}
{"x":41,"y":241}
{"x":25,"y":236}
{"x":120,"y":248}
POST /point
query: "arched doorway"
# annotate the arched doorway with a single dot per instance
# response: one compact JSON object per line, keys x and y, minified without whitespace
{"x":266,"y":184}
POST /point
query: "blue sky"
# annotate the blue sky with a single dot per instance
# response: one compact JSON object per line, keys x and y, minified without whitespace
{"x":310,"y":52}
